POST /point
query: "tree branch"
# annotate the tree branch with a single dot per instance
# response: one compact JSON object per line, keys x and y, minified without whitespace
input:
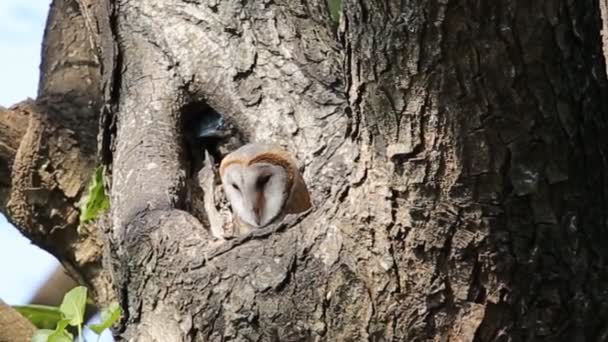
{"x":13,"y":125}
{"x":14,"y":327}
{"x":52,"y":157}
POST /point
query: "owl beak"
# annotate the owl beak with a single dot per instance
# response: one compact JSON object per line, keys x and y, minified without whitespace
{"x":257,"y":214}
{"x":257,"y":209}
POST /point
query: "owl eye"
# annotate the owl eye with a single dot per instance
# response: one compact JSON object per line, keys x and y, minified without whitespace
{"x":262,"y":181}
{"x":235,"y":186}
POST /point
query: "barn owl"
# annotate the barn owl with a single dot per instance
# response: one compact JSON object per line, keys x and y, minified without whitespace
{"x":262,"y":183}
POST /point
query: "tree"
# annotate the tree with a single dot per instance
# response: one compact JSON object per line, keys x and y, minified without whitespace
{"x":454,"y":150}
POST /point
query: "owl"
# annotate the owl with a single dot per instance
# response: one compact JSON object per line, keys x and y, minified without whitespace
{"x":262,"y":183}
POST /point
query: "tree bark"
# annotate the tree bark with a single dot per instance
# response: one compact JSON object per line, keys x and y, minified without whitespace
{"x":454,"y":153}
{"x":48,"y":147}
{"x":14,"y":326}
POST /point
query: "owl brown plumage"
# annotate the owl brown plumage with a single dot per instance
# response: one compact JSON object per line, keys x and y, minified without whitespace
{"x":262,"y":183}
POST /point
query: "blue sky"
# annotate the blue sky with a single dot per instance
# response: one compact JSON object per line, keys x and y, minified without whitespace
{"x":24,"y":266}
{"x":21,"y":29}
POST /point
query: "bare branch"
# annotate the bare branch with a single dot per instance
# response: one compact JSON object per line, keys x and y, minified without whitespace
{"x":14,"y":326}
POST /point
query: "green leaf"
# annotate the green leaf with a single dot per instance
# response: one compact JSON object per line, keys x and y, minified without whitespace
{"x":42,"y":316}
{"x":48,"y":335}
{"x":335,"y":6}
{"x":42,"y":335}
{"x":61,"y":325}
{"x":96,"y":201}
{"x":73,"y":305}
{"x":57,"y":335}
{"x":63,"y":336}
{"x":109,"y":316}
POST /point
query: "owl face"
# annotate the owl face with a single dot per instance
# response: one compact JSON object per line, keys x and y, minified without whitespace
{"x":257,"y":192}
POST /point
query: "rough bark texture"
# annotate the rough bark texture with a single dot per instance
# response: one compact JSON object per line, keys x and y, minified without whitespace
{"x":455,"y":153}
{"x":50,"y":149}
{"x":604,"y":32}
{"x":14,"y":326}
{"x":448,"y":146}
{"x":13,"y":124}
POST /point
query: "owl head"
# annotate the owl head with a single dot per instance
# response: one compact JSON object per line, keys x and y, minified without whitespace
{"x":262,"y":183}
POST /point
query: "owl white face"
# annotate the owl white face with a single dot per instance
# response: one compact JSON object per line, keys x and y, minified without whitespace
{"x":256,"y":192}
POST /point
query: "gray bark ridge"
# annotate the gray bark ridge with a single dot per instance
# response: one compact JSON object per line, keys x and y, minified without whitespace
{"x":447,"y":147}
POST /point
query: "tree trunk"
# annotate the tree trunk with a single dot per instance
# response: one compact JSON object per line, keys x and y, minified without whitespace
{"x":454,"y":153}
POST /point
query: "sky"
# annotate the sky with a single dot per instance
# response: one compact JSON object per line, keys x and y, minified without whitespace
{"x":21,"y":29}
{"x":24,"y":266}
